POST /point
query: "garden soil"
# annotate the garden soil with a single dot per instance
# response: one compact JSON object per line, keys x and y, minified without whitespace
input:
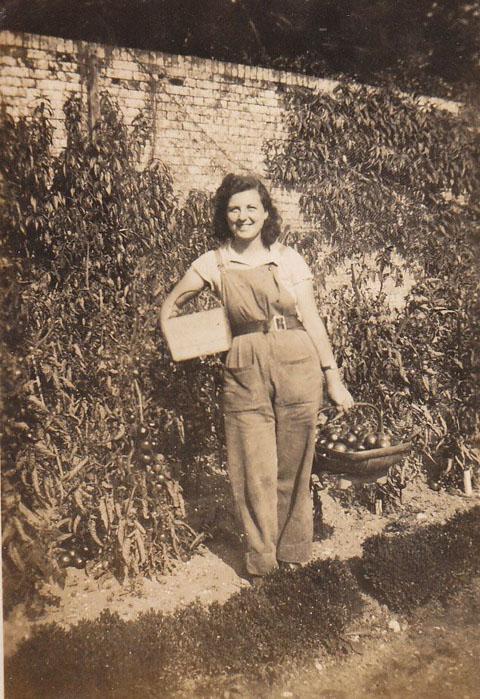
{"x":385,"y":657}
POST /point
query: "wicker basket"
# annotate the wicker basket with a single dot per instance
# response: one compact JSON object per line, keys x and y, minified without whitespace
{"x":367,"y":463}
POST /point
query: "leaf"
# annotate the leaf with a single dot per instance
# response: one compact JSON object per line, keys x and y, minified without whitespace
{"x":33,"y":519}
{"x":36,"y":483}
{"x":125,"y":549}
{"x":42,"y":448}
{"x":15,"y":556}
{"x":78,"y":351}
{"x":140,"y":545}
{"x":102,"y":508}
{"x":77,"y":498}
{"x":92,"y":530}
{"x":67,"y":382}
{"x":76,"y":523}
{"x":121,"y":531}
{"x":21,"y":531}
{"x":38,"y":403}
{"x":74,"y":471}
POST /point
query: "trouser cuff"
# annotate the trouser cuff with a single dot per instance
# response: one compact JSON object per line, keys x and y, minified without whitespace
{"x":295,"y":553}
{"x":260,"y":563}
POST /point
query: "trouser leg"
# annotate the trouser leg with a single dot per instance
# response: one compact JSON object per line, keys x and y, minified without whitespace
{"x":298,"y":394}
{"x":252,"y":467}
{"x":295,"y":449}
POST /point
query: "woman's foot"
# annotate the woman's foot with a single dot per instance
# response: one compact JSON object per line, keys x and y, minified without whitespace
{"x":257,"y":581}
{"x":287,"y":565}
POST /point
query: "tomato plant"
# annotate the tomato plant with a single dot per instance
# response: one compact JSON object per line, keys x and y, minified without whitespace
{"x":388,"y":184}
{"x":87,"y":237}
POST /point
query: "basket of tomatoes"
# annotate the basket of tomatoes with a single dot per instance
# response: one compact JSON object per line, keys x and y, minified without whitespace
{"x":357,"y":447}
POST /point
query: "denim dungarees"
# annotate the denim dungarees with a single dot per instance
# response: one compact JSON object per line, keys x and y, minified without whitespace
{"x":271,"y":395}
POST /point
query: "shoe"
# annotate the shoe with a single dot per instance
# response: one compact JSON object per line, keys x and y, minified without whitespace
{"x":257,"y":581}
{"x":286,"y":565}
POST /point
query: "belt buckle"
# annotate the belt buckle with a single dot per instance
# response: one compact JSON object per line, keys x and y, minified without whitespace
{"x":279,"y":323}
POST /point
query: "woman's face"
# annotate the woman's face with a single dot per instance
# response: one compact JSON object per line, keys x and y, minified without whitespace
{"x":246,"y":215}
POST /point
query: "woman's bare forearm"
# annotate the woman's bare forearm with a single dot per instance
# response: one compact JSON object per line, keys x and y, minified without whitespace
{"x":186,"y":289}
{"x":316,"y":330}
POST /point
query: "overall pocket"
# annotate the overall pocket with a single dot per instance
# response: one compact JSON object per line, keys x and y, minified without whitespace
{"x":240,"y":388}
{"x":299,"y":378}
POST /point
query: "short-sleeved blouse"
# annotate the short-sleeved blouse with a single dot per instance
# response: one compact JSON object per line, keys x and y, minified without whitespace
{"x":292,"y":268}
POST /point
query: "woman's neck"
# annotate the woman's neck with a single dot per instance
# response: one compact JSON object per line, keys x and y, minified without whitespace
{"x":248,"y":248}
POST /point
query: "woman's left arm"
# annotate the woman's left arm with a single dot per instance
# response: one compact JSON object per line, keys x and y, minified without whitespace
{"x":315,"y":327}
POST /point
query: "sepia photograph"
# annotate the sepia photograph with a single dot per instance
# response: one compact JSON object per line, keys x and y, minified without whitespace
{"x":239,"y":342}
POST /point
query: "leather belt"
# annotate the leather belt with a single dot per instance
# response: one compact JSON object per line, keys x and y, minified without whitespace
{"x":275,"y":324}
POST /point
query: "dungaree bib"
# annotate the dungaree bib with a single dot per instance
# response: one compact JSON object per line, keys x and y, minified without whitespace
{"x":271,"y":396}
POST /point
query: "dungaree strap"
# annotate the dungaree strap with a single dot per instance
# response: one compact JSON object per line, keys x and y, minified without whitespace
{"x":221,"y":267}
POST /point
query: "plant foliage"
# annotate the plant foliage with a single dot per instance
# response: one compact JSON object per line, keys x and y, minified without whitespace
{"x":409,"y":570}
{"x":251,"y":635}
{"x":389,"y":185}
{"x":254,"y":633}
{"x":87,"y":437}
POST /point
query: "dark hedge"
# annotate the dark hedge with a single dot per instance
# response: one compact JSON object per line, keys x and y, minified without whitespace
{"x":255,"y":632}
{"x":407,"y":571}
{"x":250,"y":635}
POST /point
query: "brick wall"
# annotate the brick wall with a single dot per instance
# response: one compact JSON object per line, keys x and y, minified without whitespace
{"x":209,"y":117}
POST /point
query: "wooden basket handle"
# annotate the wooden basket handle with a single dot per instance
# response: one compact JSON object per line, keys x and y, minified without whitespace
{"x":340,"y":414}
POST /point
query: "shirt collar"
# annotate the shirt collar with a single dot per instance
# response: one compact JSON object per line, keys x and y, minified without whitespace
{"x":270,"y":255}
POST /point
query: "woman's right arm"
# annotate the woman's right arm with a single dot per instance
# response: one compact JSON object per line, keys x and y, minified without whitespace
{"x":189,"y":286}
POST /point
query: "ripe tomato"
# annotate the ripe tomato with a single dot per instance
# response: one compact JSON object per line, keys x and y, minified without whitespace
{"x":65,"y":560}
{"x":370,"y":441}
{"x":142,"y":431}
{"x":340,"y":447}
{"x":350,"y":439}
{"x":145,"y":445}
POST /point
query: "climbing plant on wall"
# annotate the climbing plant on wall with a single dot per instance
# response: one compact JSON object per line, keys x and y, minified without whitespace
{"x":380,"y":175}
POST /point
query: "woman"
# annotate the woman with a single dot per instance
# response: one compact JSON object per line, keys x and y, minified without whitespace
{"x":273,"y":372}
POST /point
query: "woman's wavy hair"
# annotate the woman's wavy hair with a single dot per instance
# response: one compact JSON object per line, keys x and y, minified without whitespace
{"x":233,"y":184}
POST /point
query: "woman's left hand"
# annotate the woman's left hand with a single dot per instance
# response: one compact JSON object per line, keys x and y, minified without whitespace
{"x":339,"y":394}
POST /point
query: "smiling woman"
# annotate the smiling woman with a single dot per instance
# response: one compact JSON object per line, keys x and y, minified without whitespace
{"x":245,"y":218}
{"x":273,"y":381}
